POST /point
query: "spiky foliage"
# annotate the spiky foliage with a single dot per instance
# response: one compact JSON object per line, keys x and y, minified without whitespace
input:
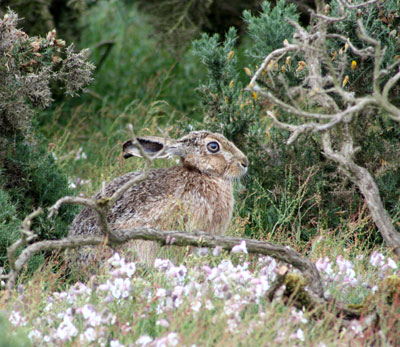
{"x":29,"y":177}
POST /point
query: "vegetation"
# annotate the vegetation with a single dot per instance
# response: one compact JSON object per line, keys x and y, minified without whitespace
{"x":292,"y":195}
{"x":29,"y":176}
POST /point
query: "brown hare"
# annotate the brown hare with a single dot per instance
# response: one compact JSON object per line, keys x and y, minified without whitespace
{"x":196,"y":195}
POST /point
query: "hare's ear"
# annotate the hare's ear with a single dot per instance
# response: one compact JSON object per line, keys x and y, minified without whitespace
{"x":151,"y":145}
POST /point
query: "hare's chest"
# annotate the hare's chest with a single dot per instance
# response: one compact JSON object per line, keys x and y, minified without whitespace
{"x":209,"y":206}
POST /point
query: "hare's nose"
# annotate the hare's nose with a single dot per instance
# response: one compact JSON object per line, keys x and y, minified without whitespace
{"x":244,"y":162}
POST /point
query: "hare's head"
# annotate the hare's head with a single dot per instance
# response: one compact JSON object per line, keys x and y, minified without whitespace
{"x":203,"y":151}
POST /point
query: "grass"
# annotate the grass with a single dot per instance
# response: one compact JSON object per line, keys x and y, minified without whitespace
{"x":204,"y":300}
{"x":185,"y":299}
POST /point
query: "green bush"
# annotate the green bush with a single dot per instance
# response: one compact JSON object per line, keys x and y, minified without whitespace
{"x":292,"y":189}
{"x":29,"y":176}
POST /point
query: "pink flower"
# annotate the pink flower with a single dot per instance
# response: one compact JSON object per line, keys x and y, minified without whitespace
{"x":377,"y":259}
{"x":241,"y":248}
{"x":144,"y":340}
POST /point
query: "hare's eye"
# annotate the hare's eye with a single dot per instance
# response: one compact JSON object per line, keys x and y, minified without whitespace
{"x":213,"y":147}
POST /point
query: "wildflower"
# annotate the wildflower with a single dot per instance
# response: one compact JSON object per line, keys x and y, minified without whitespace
{"x":195,"y":306}
{"x":172,"y":339}
{"x":116,"y":260}
{"x":163,"y":264}
{"x":209,"y":305}
{"x":301,"y":65}
{"x":324,"y":265}
{"x":121,"y":288}
{"x":66,"y":330}
{"x":80,"y":154}
{"x":217,"y":251}
{"x":89,"y":335}
{"x":247,"y":71}
{"x":89,"y":313}
{"x":390,"y":263}
{"x":34,"y":335}
{"x":202,"y":252}
{"x":116,"y":343}
{"x":241,"y":248}
{"x":163,"y":323}
{"x":345,"y":80}
{"x":377,"y":259}
{"x":144,"y":340}
{"x":299,"y":334}
{"x":298,"y":316}
{"x":16,"y":319}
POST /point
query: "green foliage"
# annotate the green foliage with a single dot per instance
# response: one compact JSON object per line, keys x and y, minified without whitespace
{"x":131,"y":69}
{"x":9,"y":224}
{"x":229,"y":109}
{"x":177,"y":23}
{"x":269,"y":29}
{"x":381,"y":21}
{"x":31,"y":178}
{"x":10,"y":336}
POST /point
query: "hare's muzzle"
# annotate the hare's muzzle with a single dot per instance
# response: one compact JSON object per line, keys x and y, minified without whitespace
{"x":244,"y":162}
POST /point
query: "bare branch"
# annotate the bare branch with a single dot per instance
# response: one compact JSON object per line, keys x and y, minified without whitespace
{"x":363,"y":4}
{"x":26,"y":236}
{"x":278,"y":52}
{"x":302,"y":128}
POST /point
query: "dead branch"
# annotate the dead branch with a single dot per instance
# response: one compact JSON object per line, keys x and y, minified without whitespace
{"x":197,"y":239}
{"x":325,"y":85}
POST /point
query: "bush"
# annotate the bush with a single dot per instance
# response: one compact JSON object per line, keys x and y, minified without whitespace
{"x":29,"y":177}
{"x":294,"y":189}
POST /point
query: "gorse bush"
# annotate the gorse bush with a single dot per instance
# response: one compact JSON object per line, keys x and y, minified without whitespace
{"x":28,"y":66}
{"x":276,"y":197}
{"x":229,"y":109}
{"x":29,"y":177}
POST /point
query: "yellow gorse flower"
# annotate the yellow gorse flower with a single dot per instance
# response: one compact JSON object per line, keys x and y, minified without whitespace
{"x":345,"y":80}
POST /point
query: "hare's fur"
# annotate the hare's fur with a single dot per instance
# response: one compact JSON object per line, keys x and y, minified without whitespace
{"x":197,"y":195}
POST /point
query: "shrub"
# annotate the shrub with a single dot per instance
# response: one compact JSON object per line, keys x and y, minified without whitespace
{"x":277,"y":173}
{"x":29,"y":177}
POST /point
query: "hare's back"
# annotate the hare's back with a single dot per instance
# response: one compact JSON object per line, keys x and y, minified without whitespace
{"x":142,"y":196}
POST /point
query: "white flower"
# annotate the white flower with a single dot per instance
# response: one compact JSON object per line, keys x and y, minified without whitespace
{"x":391,"y":263}
{"x":89,"y":334}
{"x":217,"y":251}
{"x":298,"y":335}
{"x":121,"y":288}
{"x":172,"y":339}
{"x":116,"y":343}
{"x":16,"y":319}
{"x":66,"y":331}
{"x":323,"y":264}
{"x":35,"y":334}
{"x":209,"y":305}
{"x":377,"y":259}
{"x":144,"y":340}
{"x":129,"y":269}
{"x":240,"y":248}
{"x":163,"y":323}
{"x":90,"y":314}
{"x":80,"y":154}
{"x":195,"y":306}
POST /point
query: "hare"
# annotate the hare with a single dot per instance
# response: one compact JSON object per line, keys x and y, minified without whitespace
{"x":196,"y":195}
